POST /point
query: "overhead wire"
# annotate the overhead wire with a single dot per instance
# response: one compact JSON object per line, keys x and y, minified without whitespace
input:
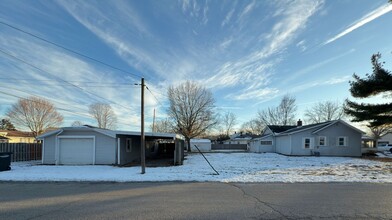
{"x":68,"y":49}
{"x":54,"y":80}
{"x":35,"y":67}
{"x":62,"y":109}
{"x":74,"y":52}
{"x":154,"y":96}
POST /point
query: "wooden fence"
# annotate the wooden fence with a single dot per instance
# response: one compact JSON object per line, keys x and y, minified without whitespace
{"x":229,"y":147}
{"x":22,"y":151}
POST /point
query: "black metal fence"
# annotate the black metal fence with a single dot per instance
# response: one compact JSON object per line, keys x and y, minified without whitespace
{"x":23,"y":151}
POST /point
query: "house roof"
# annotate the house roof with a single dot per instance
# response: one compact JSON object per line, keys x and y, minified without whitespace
{"x":3,"y":138}
{"x":319,"y":127}
{"x":262,"y":137}
{"x":280,"y":128}
{"x":303,"y":128}
{"x":17,"y":133}
{"x":110,"y":133}
{"x":339,"y":121}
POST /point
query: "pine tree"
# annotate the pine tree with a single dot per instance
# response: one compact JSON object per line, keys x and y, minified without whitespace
{"x":379,"y":82}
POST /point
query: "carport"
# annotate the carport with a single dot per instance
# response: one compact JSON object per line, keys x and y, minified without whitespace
{"x":159,"y":147}
{"x":87,"y":145}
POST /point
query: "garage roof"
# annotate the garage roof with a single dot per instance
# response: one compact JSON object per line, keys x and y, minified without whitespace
{"x":111,"y":133}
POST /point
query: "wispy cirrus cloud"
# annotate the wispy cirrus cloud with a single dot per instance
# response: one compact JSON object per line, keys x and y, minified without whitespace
{"x":331,"y":81}
{"x":314,"y":67}
{"x":250,"y":70}
{"x":380,"y":11}
{"x":255,"y":70}
{"x":33,"y":68}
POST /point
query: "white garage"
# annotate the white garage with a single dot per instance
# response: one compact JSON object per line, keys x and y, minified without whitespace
{"x":76,"y":150}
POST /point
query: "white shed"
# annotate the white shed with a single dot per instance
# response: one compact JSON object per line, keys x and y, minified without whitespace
{"x":203,"y":144}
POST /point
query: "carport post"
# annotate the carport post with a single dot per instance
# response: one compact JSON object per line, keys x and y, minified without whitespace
{"x":142,"y":150}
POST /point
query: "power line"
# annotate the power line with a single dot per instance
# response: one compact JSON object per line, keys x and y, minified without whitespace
{"x":62,"y":109}
{"x":35,"y":67}
{"x":90,"y":86}
{"x":56,"y":101}
{"x":154,"y":96}
{"x":69,"y":50}
{"x":54,"y":80}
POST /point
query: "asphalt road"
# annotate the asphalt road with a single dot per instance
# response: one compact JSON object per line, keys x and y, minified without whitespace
{"x":194,"y":201}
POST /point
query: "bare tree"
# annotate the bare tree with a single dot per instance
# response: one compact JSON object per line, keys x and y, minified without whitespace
{"x":284,"y":114}
{"x":77,"y":124}
{"x":191,"y":109}
{"x":35,"y":114}
{"x":163,"y":126}
{"x":104,"y":114}
{"x":229,"y":120}
{"x":324,"y":111}
{"x":253,"y":126}
{"x":377,"y":132}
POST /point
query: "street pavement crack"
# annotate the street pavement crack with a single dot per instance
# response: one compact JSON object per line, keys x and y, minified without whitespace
{"x":260,"y":201}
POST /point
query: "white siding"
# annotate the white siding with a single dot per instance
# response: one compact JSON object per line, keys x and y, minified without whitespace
{"x":105,"y":147}
{"x":256,"y":146}
{"x":283,"y":144}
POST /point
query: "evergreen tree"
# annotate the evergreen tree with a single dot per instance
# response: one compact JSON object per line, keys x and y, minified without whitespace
{"x":5,"y":124}
{"x":379,"y":82}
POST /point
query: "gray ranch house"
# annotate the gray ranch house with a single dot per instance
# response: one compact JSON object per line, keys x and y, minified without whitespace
{"x":331,"y":138}
{"x":87,"y":145}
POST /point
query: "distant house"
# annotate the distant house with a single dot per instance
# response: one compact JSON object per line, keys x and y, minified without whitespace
{"x":18,"y":136}
{"x":385,"y":140}
{"x":203,"y":144}
{"x":4,"y":139}
{"x":86,"y":145}
{"x":240,"y":138}
{"x":331,"y":138}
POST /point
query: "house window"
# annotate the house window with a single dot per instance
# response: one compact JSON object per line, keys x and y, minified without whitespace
{"x":128,"y":145}
{"x":342,"y":141}
{"x":266,"y":142}
{"x":322,"y":141}
{"x":307,"y":143}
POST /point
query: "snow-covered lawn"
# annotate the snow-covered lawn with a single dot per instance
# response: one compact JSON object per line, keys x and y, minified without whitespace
{"x":233,"y":167}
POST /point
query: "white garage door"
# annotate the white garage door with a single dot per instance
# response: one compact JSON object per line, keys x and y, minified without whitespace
{"x":75,"y":151}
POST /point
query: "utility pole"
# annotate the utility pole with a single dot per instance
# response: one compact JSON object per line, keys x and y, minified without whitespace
{"x":143,"y":150}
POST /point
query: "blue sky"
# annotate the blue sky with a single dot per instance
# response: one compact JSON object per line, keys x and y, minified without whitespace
{"x":248,"y":53}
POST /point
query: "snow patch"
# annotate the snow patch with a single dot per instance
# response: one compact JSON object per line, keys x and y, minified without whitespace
{"x":234,"y":167}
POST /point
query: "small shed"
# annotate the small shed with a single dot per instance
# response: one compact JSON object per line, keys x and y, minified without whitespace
{"x":203,"y":144}
{"x":87,"y":145}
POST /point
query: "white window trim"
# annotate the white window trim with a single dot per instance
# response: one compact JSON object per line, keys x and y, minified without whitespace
{"x":345,"y":141}
{"x":126,"y":147}
{"x":57,"y":151}
{"x":310,"y":142}
{"x":325,"y":141}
